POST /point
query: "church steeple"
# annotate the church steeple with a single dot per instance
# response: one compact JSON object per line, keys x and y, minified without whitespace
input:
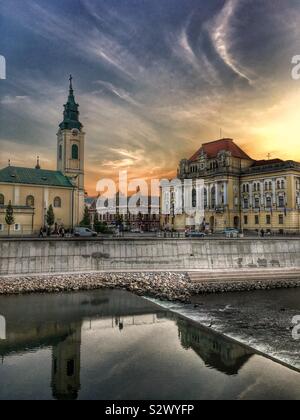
{"x":70,"y":151}
{"x":71,"y":112}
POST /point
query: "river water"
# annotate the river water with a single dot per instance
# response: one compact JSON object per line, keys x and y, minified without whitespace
{"x":114,"y":345}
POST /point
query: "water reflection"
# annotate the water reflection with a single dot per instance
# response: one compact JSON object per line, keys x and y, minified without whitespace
{"x":215,"y":351}
{"x":58,"y":323}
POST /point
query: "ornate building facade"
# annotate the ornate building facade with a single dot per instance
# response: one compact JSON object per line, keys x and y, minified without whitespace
{"x":32,"y":190}
{"x":146,"y":219}
{"x":241,"y":192}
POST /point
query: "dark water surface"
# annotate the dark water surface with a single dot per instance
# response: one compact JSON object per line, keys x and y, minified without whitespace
{"x":113,"y":345}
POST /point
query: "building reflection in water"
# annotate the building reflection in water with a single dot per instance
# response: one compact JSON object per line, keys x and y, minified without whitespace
{"x":216,"y":351}
{"x":61,"y":330}
{"x":66,"y":367}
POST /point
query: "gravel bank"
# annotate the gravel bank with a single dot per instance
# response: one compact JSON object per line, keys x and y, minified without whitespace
{"x":165,"y":285}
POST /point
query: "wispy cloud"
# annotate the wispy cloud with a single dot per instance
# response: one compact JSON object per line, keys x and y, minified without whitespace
{"x":152,"y":83}
{"x":221,"y":35}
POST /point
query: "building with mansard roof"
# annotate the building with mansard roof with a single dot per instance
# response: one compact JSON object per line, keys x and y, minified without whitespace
{"x":240,"y":192}
{"x":32,"y":190}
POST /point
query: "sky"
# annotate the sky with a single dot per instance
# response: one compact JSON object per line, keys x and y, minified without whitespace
{"x":155,"y":79}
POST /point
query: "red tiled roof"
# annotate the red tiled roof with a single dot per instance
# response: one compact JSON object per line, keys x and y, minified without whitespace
{"x":267,"y":162}
{"x":213,"y":148}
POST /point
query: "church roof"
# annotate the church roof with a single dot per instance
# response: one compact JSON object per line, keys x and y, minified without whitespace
{"x":213,"y":148}
{"x":17,"y":175}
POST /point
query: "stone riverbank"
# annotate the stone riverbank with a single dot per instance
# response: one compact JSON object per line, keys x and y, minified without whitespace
{"x":170,"y":286}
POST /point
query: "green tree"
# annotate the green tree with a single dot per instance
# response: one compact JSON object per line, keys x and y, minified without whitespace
{"x":9,"y":216}
{"x":50,"y":216}
{"x":119,"y":219}
{"x":100,"y":227}
{"x":86,"y":221}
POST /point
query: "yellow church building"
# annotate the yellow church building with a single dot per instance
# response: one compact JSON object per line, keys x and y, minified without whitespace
{"x":32,"y":190}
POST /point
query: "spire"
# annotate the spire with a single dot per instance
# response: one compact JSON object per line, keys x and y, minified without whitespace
{"x":38,"y":166}
{"x":71,"y":112}
{"x":71,"y":84}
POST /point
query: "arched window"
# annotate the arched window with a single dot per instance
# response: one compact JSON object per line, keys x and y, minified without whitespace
{"x":194,"y":198}
{"x":213,"y":197}
{"x":205,"y":198}
{"x":75,"y":152}
{"x":30,"y":201}
{"x":282,"y":185}
{"x":268,"y":202}
{"x":2,"y":200}
{"x":57,"y":202}
{"x":281,"y":201}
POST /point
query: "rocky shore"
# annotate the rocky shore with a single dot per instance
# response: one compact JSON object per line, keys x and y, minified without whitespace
{"x":164,"y":285}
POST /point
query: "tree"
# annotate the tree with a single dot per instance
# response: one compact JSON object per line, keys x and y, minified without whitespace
{"x":119,"y":219}
{"x":9,"y":217}
{"x":100,"y":227}
{"x":86,"y":221}
{"x":50,"y":216}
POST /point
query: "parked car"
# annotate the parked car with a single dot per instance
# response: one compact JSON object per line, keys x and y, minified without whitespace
{"x":195,"y":235}
{"x":82,"y":232}
{"x":232,"y":231}
{"x":136,"y":230}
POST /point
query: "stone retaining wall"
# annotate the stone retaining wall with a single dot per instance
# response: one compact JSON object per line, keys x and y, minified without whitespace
{"x":50,"y":256}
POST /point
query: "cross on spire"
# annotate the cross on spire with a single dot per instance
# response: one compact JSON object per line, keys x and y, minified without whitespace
{"x":71,"y":82}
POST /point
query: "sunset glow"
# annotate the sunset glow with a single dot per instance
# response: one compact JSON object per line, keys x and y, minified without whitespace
{"x":149,"y":98}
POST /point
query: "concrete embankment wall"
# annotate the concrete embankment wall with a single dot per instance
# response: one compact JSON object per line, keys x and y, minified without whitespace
{"x":50,"y":256}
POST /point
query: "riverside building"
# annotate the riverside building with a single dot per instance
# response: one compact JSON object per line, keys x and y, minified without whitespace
{"x":240,"y":192}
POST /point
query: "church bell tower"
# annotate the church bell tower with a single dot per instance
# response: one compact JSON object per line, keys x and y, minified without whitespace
{"x":70,"y":149}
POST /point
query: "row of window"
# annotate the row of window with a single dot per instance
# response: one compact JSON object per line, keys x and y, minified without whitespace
{"x":16,"y":227}
{"x":212,"y":165}
{"x":130,"y":218}
{"x":268,"y":200}
{"x":257,"y":219}
{"x":30,"y":201}
{"x":74,"y":152}
{"x":268,"y":186}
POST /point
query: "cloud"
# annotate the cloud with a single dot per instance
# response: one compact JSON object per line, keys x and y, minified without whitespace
{"x":182,"y":48}
{"x":152,"y":84}
{"x":117,"y":92}
{"x":221,"y":34}
{"x":13,"y":100}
